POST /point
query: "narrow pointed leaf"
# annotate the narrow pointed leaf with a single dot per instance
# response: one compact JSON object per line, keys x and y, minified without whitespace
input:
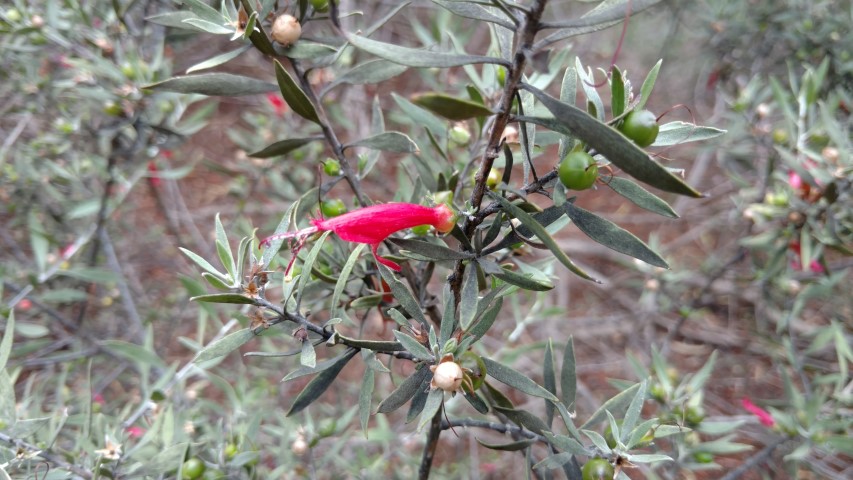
{"x":293,"y":95}
{"x":213,"y":84}
{"x":468,"y":300}
{"x":513,"y":278}
{"x":648,"y":85}
{"x":389,"y":142}
{"x":224,"y":298}
{"x":516,"y":379}
{"x":448,"y":318}
{"x":617,"y":92}
{"x":554,"y":461}
{"x":6,"y":343}
{"x":615,"y":404}
{"x":540,"y":232}
{"x":283,"y":147}
{"x":318,"y":385}
{"x":676,"y":133}
{"x":641,"y":197}
{"x":415,"y":57}
{"x":431,"y":251}
{"x":305,"y":50}
{"x":405,"y":391}
{"x":487,"y":319}
{"x":369,"y":72}
{"x":621,"y":151}
{"x":219,"y":59}
{"x":568,"y":375}
{"x":633,"y":412}
{"x":476,"y":12}
{"x":365,"y":397}
{"x":413,"y":346}
{"x":525,"y":419}
{"x":344,"y":278}
{"x":224,"y":345}
{"x":201,"y":262}
{"x":420,"y":116}
{"x":612,"y":236}
{"x":431,"y":407}
{"x":403,"y":295}
{"x":452,"y":108}
{"x":508,"y":447}
{"x":476,"y":402}
{"x":308,"y":357}
{"x":549,"y":381}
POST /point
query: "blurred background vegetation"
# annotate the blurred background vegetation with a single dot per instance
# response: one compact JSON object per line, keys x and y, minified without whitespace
{"x":101,"y":181}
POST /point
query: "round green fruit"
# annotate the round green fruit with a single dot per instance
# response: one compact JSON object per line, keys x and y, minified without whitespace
{"x":460,"y":135}
{"x":597,"y":469}
{"x":230,"y":451}
{"x":703,"y":457}
{"x":193,"y":468}
{"x":13,"y":15}
{"x":332,"y":167}
{"x":320,"y":5}
{"x":494,"y":178}
{"x":333,"y":208}
{"x":420,"y":230}
{"x":578,"y":171}
{"x":641,"y":126}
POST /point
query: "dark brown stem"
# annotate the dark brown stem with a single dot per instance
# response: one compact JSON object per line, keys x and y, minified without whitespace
{"x":430,"y":447}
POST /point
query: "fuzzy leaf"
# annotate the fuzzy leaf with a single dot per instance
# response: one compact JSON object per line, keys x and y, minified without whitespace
{"x":389,"y":142}
{"x":508,"y":447}
{"x":516,"y":379}
{"x":413,"y":346}
{"x":431,"y":251}
{"x":364,"y":398}
{"x":405,"y":391}
{"x":615,"y":404}
{"x":283,"y":147}
{"x":475,"y":12}
{"x":612,"y":236}
{"x":452,"y":108}
{"x":219,"y":59}
{"x":293,"y":95}
{"x":676,"y":133}
{"x":320,"y":383}
{"x":224,"y":345}
{"x":415,"y":57}
{"x":433,"y":404}
{"x":513,"y":278}
{"x":224,"y":298}
{"x":468,"y":301}
{"x":213,"y":84}
{"x":367,"y":73}
{"x":641,"y":197}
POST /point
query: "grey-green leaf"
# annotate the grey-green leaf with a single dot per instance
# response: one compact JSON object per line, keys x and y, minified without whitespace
{"x":283,"y":147}
{"x":304,"y":49}
{"x":470,"y":292}
{"x":224,"y":298}
{"x":676,"y":133}
{"x":475,"y":12}
{"x":219,"y":59}
{"x":213,"y":84}
{"x":293,"y":95}
{"x":365,"y":397}
{"x":544,"y":237}
{"x":430,"y":250}
{"x":508,"y":447}
{"x":402,"y":294}
{"x":568,"y":374}
{"x":6,"y":343}
{"x":415,"y":57}
{"x":615,"y":404}
{"x":320,"y":383}
{"x":369,"y":72}
{"x":516,"y":379}
{"x":621,"y":151}
{"x":648,"y":85}
{"x":612,"y":236}
{"x":389,"y":142}
{"x":413,"y":346}
{"x":224,"y":345}
{"x":431,"y":407}
{"x":405,"y":391}
{"x":308,"y":357}
{"x":513,"y":278}
{"x":452,"y":108}
{"x":641,"y":197}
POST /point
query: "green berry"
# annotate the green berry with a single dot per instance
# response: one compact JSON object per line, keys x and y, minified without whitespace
{"x":332,"y":167}
{"x":193,"y":468}
{"x":333,"y":208}
{"x":641,"y":126}
{"x":320,"y":5}
{"x":597,"y":469}
{"x":703,"y":457}
{"x":420,"y":230}
{"x":494,"y":178}
{"x":578,"y":171}
{"x":460,"y":135}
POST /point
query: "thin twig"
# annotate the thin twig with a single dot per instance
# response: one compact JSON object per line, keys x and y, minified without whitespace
{"x":755,"y":460}
{"x":55,"y":460}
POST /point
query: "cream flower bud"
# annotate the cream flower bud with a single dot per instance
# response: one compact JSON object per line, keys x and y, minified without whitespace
{"x":447,"y":376}
{"x":286,"y":30}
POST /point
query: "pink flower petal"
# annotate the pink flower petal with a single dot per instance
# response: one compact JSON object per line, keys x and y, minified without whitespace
{"x":763,"y":415}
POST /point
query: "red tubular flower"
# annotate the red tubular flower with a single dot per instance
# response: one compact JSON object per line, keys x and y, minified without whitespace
{"x":277,"y":103}
{"x":372,"y":225}
{"x":153,"y":172}
{"x":763,"y":415}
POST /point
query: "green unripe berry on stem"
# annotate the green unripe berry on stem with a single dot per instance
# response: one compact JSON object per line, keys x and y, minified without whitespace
{"x":193,"y":468}
{"x":578,"y":171}
{"x":597,"y":469}
{"x":332,"y":167}
{"x":333,"y":208}
{"x":641,"y":126}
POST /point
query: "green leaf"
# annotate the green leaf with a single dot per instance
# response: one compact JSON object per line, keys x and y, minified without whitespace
{"x":555,"y":461}
{"x":389,"y":142}
{"x":476,"y":402}
{"x":224,"y":298}
{"x":615,"y":404}
{"x":420,"y":116}
{"x":648,"y":85}
{"x":568,"y":94}
{"x":364,"y":398}
{"x":6,"y":343}
{"x":568,"y":374}
{"x":213,"y":84}
{"x":507,"y":447}
{"x":94,"y":274}
{"x":475,"y":12}
{"x":452,"y":108}
{"x":283,"y":147}
{"x":486,"y":319}
{"x":413,"y":346}
{"x":430,"y":250}
{"x":223,"y":248}
{"x":293,"y":95}
{"x":540,"y":232}
{"x":612,"y":236}
{"x":344,"y":278}
{"x":469,"y":298}
{"x":516,"y":379}
{"x":174,"y":19}
{"x":431,"y":407}
{"x":676,"y":133}
{"x":525,"y":419}
{"x":621,"y":151}
{"x":308,"y":357}
{"x":549,"y":380}
{"x":309,"y":264}
{"x":320,"y":383}
{"x":304,"y":49}
{"x":633,"y":412}
{"x":271,"y":251}
{"x":8,"y":404}
{"x":617,"y":92}
{"x":224,"y":345}
{"x":567,"y":444}
{"x":209,"y":27}
{"x":403,"y":295}
{"x":649,"y":458}
{"x":604,"y":15}
{"x":448,"y":318}
{"x":369,"y":72}
{"x":133,"y":352}
{"x":405,"y":391}
{"x":520,"y":280}
{"x":641,"y":197}
{"x":415,"y":57}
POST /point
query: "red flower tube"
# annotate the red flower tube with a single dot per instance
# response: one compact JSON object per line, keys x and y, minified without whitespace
{"x":763,"y":415}
{"x":372,"y":225}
